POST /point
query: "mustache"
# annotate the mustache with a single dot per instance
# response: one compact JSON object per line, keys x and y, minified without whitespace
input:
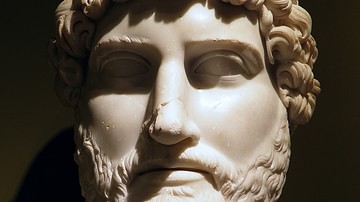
{"x":149,"y":156}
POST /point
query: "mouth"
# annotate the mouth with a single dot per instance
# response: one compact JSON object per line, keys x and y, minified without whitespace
{"x":173,"y":176}
{"x":193,"y":164}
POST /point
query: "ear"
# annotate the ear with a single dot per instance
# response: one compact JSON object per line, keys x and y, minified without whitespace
{"x":69,"y":69}
{"x":69,"y":75}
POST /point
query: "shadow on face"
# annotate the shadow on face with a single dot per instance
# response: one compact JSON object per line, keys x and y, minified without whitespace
{"x":169,"y":11}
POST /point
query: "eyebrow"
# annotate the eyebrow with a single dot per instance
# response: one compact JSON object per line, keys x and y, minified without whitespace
{"x":116,"y":41}
{"x":239,"y":46}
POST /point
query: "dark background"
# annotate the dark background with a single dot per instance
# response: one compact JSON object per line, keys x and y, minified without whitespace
{"x":325,"y":153}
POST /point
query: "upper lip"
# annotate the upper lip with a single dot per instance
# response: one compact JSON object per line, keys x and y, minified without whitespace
{"x":155,"y":169}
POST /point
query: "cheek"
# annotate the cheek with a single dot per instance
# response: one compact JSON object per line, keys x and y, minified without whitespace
{"x":240,"y":124}
{"x":115,"y":122}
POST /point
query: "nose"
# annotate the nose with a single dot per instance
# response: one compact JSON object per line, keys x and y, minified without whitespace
{"x":171,"y":123}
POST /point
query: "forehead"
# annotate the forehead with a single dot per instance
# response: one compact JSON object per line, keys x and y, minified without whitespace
{"x":183,"y":20}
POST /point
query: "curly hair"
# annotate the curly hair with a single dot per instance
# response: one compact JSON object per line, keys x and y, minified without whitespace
{"x":284,"y":26}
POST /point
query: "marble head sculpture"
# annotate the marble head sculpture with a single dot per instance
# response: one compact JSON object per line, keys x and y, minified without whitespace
{"x":189,"y":100}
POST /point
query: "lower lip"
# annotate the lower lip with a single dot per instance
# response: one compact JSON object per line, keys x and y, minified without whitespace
{"x":174,"y":177}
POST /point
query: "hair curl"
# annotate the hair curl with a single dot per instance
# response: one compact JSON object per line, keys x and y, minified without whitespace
{"x":284,"y":25}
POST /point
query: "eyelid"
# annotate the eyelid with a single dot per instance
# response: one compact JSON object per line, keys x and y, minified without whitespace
{"x":219,"y":53}
{"x":123,"y":70}
{"x":250,"y":53}
{"x":227,"y":65}
{"x":121,"y":55}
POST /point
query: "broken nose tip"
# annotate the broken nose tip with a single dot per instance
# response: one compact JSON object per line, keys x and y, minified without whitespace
{"x":171,"y":124}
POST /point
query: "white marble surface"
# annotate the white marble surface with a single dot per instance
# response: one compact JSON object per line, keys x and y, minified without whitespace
{"x":327,"y":138}
{"x":210,"y":90}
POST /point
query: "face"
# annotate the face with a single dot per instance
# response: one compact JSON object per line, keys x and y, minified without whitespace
{"x":177,"y":88}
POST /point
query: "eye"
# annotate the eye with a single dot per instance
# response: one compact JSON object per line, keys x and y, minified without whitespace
{"x":220,"y":63}
{"x":124,"y":65}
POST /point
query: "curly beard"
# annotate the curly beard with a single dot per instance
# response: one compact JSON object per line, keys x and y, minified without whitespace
{"x":102,"y":179}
